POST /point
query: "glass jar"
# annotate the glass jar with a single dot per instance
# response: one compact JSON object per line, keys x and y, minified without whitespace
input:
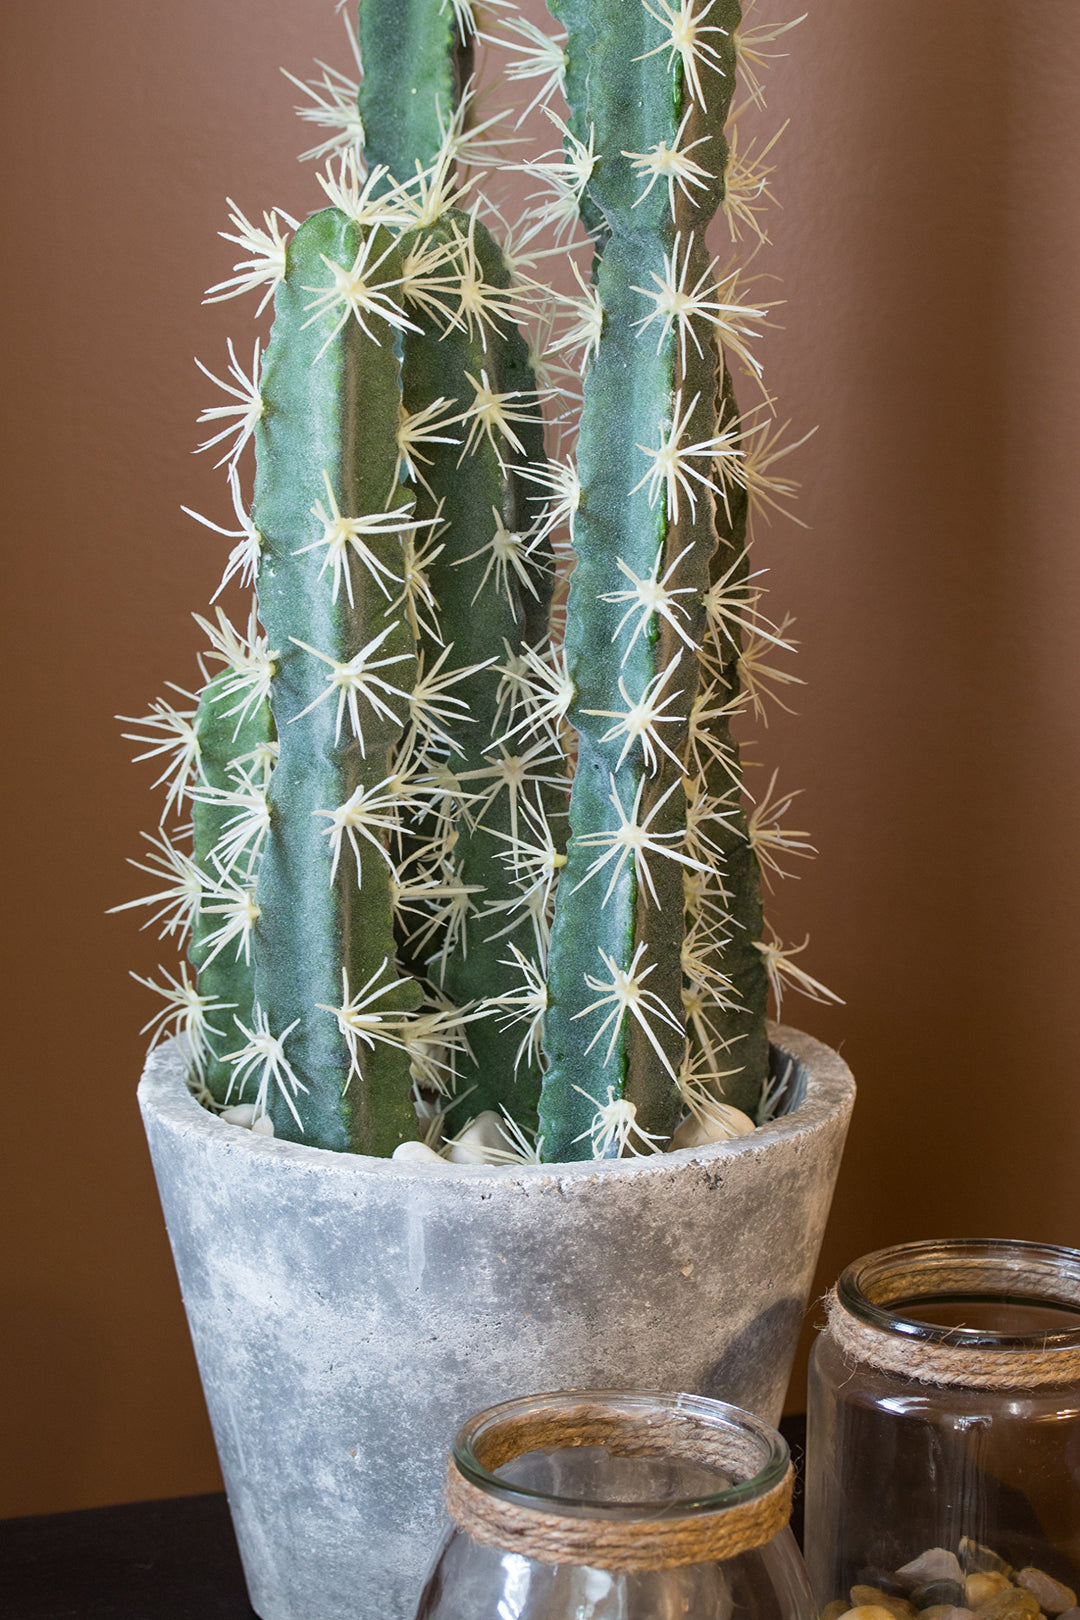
{"x":601,"y":1505}
{"x":943,"y":1444}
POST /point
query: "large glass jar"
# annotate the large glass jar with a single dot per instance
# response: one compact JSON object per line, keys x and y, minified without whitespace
{"x":618,"y":1506}
{"x":943,"y":1447}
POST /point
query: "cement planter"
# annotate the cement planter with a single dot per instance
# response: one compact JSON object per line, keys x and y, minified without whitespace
{"x":349,"y":1313}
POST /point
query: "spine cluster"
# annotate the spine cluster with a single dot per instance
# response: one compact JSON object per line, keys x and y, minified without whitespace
{"x":472,"y":862}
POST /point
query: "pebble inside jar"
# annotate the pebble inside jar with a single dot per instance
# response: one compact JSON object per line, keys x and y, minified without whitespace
{"x":943,"y":1478}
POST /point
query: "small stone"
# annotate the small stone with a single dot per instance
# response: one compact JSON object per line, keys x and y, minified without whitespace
{"x":1012,"y":1604}
{"x":263,"y":1126}
{"x":478,"y":1140}
{"x":936,"y":1593}
{"x":1070,"y":1614}
{"x":1051,"y":1595}
{"x":833,"y":1611}
{"x":936,"y":1564}
{"x":883,"y":1580}
{"x":869,"y":1611}
{"x":985,"y":1584}
{"x":242,"y":1114}
{"x":415,"y":1153}
{"x":873,"y":1596}
{"x":946,"y":1611}
{"x":976,"y":1558}
{"x":719,"y":1123}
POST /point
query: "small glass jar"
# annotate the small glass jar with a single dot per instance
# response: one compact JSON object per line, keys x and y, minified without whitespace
{"x":943,"y":1444}
{"x":601,"y":1505}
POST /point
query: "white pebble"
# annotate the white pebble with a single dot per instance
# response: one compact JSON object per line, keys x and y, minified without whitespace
{"x":415,"y":1153}
{"x":721,"y":1123}
{"x":263,"y":1126}
{"x":242,"y":1114}
{"x":936,"y":1564}
{"x":476,"y":1141}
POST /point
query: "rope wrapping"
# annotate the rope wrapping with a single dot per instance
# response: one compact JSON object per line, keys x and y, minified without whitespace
{"x":927,"y":1361}
{"x":630,"y":1541}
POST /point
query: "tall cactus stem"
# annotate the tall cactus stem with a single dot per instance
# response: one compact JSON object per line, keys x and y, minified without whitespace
{"x":326,"y":451}
{"x":615,"y":1026}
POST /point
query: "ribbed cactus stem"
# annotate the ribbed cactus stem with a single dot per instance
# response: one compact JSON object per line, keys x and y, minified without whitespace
{"x":734,"y":1037}
{"x":231,"y":733}
{"x":332,"y":566}
{"x":491,"y":580}
{"x":645,"y":536}
{"x":485,"y":574}
{"x":416,"y":63}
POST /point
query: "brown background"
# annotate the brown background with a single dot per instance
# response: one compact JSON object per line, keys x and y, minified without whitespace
{"x":927,"y":248}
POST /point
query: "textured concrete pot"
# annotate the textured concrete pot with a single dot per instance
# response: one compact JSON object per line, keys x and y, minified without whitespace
{"x":349,"y":1313}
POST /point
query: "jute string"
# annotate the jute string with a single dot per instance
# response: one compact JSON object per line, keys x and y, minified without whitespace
{"x":621,"y":1545}
{"x":975,"y":1366}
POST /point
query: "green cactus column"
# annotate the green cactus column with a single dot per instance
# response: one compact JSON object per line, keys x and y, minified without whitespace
{"x":416,"y":64}
{"x":732,"y":969}
{"x":490,"y":580}
{"x":331,"y":567}
{"x":235,"y":749}
{"x":651,"y":87}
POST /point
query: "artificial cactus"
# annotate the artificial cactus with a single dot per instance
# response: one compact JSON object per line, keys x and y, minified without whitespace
{"x":403,"y":914}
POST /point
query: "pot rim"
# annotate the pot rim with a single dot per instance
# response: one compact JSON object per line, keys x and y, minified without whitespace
{"x":829,"y":1094}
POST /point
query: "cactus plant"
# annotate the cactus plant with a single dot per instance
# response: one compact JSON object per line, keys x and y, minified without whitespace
{"x":473,"y":862}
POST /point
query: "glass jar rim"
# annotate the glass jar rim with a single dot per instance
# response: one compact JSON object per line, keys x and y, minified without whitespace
{"x":708,"y":1414}
{"x":1033,"y":1274}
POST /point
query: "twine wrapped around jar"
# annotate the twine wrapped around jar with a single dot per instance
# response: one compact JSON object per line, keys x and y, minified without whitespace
{"x":956,"y":1356}
{"x":630,"y":1540}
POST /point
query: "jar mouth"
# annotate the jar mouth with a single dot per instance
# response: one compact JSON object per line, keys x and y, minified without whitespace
{"x":644,"y":1424}
{"x":896,"y":1290}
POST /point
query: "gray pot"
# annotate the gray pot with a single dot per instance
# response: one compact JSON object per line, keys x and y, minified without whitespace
{"x":348,"y":1313}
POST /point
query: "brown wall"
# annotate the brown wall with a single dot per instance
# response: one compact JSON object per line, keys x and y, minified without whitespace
{"x":927,"y":249}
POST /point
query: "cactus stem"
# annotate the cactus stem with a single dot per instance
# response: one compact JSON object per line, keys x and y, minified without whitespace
{"x":673,"y":164}
{"x":357,"y":294}
{"x":640,"y":719}
{"x":650,"y":596}
{"x":673,"y":462}
{"x":624,"y":993}
{"x":729,"y":316}
{"x":614,"y":1130}
{"x":632,"y":836}
{"x":263,"y":1055}
{"x":686,"y":41}
{"x":358,"y":1022}
{"x":352,"y":679}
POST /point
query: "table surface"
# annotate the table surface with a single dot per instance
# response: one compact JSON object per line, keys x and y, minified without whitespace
{"x":170,"y":1560}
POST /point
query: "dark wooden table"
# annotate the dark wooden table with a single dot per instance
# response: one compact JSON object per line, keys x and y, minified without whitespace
{"x":171,"y":1560}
